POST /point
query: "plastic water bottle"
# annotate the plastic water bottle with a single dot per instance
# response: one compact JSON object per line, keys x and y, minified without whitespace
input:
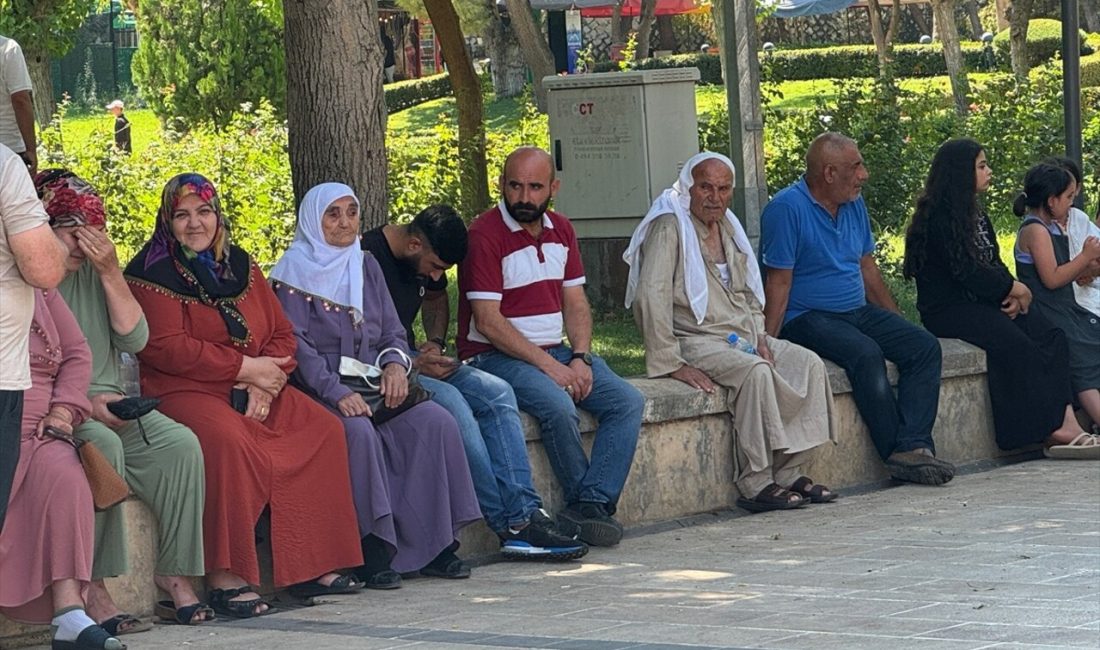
{"x":129,"y":375}
{"x":741,"y":344}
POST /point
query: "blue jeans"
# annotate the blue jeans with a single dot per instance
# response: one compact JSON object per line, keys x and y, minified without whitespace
{"x":485,"y":408}
{"x":616,"y":404}
{"x":859,"y":341}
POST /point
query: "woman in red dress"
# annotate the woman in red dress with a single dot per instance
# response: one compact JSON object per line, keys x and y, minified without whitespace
{"x":218,"y":356}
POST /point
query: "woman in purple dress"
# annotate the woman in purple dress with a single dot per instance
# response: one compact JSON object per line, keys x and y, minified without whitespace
{"x":410,"y":481}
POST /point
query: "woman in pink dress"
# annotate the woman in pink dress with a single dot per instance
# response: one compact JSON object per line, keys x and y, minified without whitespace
{"x":46,"y":544}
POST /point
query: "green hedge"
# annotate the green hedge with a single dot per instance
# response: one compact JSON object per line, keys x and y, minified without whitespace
{"x":710,"y":66}
{"x":1044,"y":38}
{"x":1090,"y":71}
{"x":406,"y":94}
{"x":842,"y":61}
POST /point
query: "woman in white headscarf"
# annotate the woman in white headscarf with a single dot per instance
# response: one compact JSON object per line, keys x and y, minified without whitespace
{"x":700,"y":284}
{"x":409,"y":477}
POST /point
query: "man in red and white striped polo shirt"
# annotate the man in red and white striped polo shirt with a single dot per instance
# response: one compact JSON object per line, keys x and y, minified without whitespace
{"x":522,"y":282}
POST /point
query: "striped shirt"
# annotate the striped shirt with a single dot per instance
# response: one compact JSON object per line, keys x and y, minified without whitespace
{"x":526,"y":275}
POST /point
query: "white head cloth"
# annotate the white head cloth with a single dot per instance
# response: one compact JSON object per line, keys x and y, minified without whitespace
{"x":311,"y":265}
{"x":676,"y":200}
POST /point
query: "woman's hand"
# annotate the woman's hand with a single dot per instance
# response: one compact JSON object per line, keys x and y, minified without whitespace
{"x":264,"y":372}
{"x":98,"y":248}
{"x":59,"y":418}
{"x":1022,"y":296}
{"x":259,"y":403}
{"x":100,"y":412}
{"x":352,"y":405}
{"x":395,"y":384}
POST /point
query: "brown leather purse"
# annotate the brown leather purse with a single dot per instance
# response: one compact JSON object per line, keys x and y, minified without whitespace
{"x":108,"y":488}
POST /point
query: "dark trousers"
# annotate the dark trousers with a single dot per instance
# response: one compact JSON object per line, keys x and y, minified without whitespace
{"x":11,"y":419}
{"x":860,"y":341}
{"x":1028,"y":367}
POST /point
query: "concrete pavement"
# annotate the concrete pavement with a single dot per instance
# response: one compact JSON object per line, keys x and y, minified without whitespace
{"x":1007,"y":558}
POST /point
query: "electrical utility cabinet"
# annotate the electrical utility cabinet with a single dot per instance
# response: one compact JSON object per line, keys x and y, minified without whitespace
{"x":618,"y":139}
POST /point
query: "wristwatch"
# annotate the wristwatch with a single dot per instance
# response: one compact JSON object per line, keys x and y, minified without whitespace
{"x":441,"y":342}
{"x":583,"y":356}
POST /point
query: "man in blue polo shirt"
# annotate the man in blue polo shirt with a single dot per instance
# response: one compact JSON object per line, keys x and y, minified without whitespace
{"x":824,"y":292}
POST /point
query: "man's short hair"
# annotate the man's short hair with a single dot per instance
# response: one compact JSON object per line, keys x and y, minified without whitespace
{"x":443,"y":230}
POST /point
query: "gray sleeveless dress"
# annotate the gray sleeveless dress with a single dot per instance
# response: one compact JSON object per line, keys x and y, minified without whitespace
{"x":1081,"y":326}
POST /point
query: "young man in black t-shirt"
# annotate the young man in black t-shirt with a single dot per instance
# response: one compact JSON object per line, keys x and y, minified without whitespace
{"x":414,"y":259}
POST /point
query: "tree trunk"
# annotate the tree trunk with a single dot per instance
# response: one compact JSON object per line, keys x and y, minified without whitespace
{"x":878,"y":34}
{"x":918,"y":17}
{"x":336,"y":112}
{"x":536,"y":50}
{"x":1090,"y":11}
{"x":1002,"y":14}
{"x":617,"y":24}
{"x":944,"y":11}
{"x":1019,"y":13}
{"x":505,"y":57}
{"x":975,"y":19}
{"x":645,"y":29}
{"x":474,"y":181}
{"x":38,"y":65}
{"x":666,"y":37}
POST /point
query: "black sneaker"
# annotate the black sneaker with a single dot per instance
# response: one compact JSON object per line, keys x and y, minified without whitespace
{"x":592,"y":523}
{"x":540,"y":540}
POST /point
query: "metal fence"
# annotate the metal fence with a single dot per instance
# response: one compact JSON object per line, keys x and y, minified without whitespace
{"x":97,"y":69}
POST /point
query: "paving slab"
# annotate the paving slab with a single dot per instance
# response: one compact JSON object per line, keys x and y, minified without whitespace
{"x":996,"y":559}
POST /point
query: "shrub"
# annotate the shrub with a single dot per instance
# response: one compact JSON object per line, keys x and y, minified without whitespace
{"x":223,"y":52}
{"x":710,"y":66}
{"x":845,"y":61}
{"x":1044,"y":38}
{"x":406,"y":94}
{"x":1090,"y":71}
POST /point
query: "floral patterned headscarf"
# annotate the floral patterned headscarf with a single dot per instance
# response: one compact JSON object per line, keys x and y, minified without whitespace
{"x":69,"y":199}
{"x":218,"y":276}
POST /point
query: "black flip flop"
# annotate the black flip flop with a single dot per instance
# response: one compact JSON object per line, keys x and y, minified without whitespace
{"x":345,"y":584}
{"x":167,"y":612}
{"x":114,"y":625}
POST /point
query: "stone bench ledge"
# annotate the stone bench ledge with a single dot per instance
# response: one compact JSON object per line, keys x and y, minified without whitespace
{"x":670,"y":399}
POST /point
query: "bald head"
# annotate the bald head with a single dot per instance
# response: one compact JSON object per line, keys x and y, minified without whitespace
{"x":834,"y":170}
{"x":527,"y":184}
{"x":529,"y":160}
{"x":825,"y":150}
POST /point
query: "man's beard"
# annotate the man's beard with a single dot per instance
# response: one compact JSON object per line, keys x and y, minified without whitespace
{"x":527,"y":212}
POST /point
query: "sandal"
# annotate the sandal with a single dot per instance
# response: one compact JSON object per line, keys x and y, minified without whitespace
{"x":384,"y":579}
{"x":92,"y":637}
{"x":220,"y":602}
{"x":125,"y":624}
{"x":816,"y":494}
{"x":345,"y":584}
{"x":773,"y":497}
{"x":447,"y":565}
{"x":167,"y":612}
{"x":1086,"y":446}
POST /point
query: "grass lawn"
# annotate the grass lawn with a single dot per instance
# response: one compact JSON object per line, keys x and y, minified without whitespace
{"x":82,"y":131}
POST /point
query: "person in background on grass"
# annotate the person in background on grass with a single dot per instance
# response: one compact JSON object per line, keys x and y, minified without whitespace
{"x":693,"y":281}
{"x":825,"y":292}
{"x":122,"y":126}
{"x":414,"y":258}
{"x":965,"y":291}
{"x":521,"y":282}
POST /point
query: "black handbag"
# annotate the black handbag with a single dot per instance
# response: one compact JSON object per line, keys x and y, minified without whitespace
{"x":364,"y":379}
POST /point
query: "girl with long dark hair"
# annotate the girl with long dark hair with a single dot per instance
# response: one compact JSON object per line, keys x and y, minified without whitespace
{"x":1044,"y":263}
{"x":965,"y":291}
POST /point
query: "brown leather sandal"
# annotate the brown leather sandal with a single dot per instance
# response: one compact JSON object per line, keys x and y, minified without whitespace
{"x":806,"y":487}
{"x":772,"y":497}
